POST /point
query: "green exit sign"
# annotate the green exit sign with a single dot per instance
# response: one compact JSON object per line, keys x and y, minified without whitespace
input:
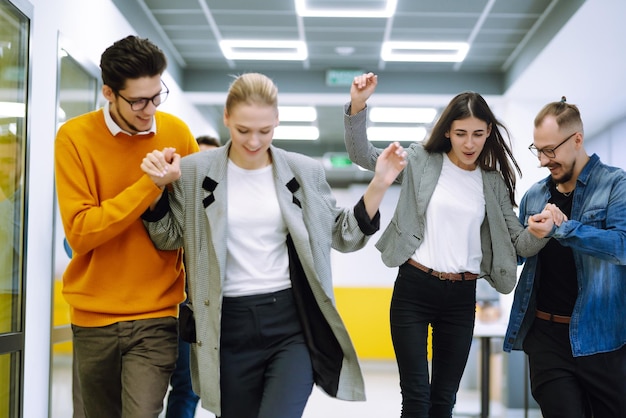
{"x":337,"y":160}
{"x":341,"y":77}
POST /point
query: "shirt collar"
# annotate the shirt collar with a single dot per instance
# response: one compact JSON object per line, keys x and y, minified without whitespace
{"x":115,"y":129}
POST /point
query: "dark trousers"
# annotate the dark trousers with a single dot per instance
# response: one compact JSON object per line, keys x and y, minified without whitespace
{"x":265,"y":364}
{"x":182,"y":400}
{"x":573,"y":387}
{"x":124,"y":369}
{"x":418,"y":300}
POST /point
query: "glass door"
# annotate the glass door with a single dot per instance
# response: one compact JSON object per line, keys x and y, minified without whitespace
{"x":14,"y":66}
{"x":77,"y":94}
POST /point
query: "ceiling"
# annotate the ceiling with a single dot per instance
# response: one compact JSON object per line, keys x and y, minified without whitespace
{"x":504,"y":36}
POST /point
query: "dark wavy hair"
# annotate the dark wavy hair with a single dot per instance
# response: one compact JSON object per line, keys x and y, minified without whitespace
{"x":496,"y":154}
{"x":131,"y":58}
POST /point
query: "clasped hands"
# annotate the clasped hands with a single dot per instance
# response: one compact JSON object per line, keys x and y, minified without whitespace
{"x":541,"y":224}
{"x":163,"y":167}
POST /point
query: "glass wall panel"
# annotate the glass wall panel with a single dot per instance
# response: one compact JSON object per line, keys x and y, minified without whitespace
{"x":77,"y":94}
{"x":14,"y":40}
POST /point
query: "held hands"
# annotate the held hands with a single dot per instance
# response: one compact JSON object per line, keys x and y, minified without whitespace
{"x":390,"y":163}
{"x":361,"y":89}
{"x":541,"y":224}
{"x":163,"y":167}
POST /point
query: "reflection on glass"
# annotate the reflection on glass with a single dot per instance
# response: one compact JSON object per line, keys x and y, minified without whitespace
{"x":77,"y":95}
{"x":14,"y":30}
{"x":13,"y":64}
{"x":9,"y":394}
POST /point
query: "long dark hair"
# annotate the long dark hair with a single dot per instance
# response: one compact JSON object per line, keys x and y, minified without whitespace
{"x":496,"y":154}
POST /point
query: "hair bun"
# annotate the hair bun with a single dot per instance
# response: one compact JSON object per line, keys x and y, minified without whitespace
{"x":563,"y":99}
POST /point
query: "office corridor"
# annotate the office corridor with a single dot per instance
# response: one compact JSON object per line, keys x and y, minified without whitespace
{"x":381,"y":383}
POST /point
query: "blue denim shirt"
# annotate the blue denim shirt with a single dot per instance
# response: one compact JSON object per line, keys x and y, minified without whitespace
{"x":596,"y":233}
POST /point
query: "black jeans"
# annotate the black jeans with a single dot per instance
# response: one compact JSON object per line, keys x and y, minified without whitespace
{"x":573,"y":387}
{"x":265,"y":365}
{"x":420,"y":300}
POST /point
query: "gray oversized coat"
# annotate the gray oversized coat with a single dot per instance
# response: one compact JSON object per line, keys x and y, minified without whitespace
{"x":502,"y":235}
{"x":197,"y":222}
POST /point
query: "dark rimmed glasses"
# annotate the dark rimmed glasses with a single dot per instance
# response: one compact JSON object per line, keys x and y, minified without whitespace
{"x":548,"y":152}
{"x":141,"y":104}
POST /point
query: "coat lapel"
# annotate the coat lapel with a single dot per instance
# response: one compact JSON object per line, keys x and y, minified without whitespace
{"x":214,"y":196}
{"x":290,"y":199}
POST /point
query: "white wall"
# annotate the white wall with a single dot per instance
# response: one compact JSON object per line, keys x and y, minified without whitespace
{"x":364,"y":268}
{"x":610,"y":144}
{"x":88,"y":27}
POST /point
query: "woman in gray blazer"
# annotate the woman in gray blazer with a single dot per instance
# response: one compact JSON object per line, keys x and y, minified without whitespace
{"x":257,"y":224}
{"x":454,"y":223}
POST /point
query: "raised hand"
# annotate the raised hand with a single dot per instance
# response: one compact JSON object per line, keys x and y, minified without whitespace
{"x":361,"y":89}
{"x":390,"y":163}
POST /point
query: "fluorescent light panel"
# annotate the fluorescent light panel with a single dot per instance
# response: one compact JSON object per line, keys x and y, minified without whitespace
{"x":296,"y":133}
{"x":424,"y":51}
{"x":396,"y":133}
{"x":297,"y":113}
{"x":402,"y":114}
{"x":264,"y":50}
{"x":12,"y":110}
{"x":387,"y":11}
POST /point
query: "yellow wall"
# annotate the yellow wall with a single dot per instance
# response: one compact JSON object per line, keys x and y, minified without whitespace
{"x":61,"y":317}
{"x":365,"y":311}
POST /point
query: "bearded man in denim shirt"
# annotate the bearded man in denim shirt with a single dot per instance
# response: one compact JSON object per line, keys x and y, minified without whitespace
{"x":569,"y":311}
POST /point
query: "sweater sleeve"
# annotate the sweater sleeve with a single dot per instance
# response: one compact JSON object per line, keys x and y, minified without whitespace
{"x":89,"y":219}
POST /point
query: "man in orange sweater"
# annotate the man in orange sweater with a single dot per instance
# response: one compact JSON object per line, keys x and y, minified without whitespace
{"x":123,"y":293}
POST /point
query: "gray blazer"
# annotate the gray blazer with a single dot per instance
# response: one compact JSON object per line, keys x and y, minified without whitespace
{"x":501,"y":233}
{"x":197,"y":222}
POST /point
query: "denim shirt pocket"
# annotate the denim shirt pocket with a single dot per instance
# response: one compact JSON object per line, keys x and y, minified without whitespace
{"x":594,"y":217}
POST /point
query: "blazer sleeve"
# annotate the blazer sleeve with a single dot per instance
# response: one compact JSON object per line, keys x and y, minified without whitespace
{"x":360,"y":149}
{"x":165,"y":224}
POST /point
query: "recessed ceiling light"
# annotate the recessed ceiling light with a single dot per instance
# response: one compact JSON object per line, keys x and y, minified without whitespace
{"x":296,"y":133}
{"x":12,"y":110}
{"x":424,"y":51}
{"x":396,"y":133}
{"x":264,"y":50}
{"x":297,"y":113}
{"x":387,"y":10}
{"x":344,"y":50}
{"x":402,"y":114}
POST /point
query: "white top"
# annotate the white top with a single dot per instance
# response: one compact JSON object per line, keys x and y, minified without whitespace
{"x":453,"y":218}
{"x":257,"y":260}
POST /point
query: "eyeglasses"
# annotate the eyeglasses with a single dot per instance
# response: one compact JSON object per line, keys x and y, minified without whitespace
{"x":141,"y":104}
{"x":548,"y":152}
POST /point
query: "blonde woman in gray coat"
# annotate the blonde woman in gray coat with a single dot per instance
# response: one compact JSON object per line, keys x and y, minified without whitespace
{"x":257,"y":225}
{"x":454,"y":223}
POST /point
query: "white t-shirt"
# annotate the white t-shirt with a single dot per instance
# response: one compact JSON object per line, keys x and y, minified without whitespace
{"x":257,"y":259}
{"x":453,"y":218}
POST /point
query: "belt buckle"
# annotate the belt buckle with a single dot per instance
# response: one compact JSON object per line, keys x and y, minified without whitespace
{"x":440,"y":275}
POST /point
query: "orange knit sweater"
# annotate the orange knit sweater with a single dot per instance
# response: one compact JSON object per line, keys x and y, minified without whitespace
{"x":115,"y":274}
